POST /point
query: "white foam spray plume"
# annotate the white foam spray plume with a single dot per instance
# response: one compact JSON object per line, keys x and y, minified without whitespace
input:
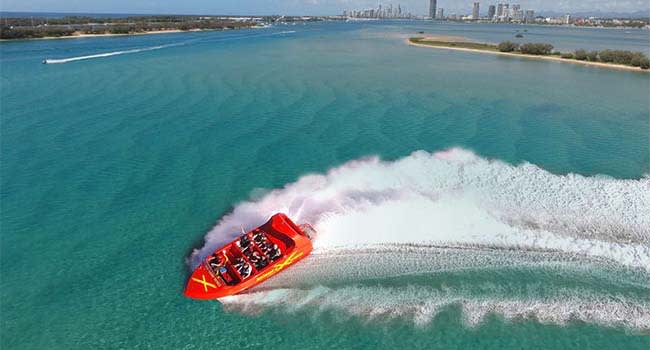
{"x":444,"y":211}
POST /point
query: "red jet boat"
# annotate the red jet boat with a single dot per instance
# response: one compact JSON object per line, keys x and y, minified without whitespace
{"x":251,"y":259}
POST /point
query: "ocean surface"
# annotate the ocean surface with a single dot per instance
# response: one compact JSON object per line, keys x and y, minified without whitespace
{"x":463,"y":201}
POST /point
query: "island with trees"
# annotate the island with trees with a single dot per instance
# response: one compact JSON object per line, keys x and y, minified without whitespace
{"x":79,"y":26}
{"x":606,"y":58}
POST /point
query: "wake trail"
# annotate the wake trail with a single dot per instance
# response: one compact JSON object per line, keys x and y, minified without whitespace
{"x":152,"y":48}
{"x":423,"y":304}
{"x":453,"y":211}
{"x":107,"y":54}
{"x":455,"y":197}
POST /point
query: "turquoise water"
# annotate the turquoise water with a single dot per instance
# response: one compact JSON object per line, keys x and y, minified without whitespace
{"x":521,"y":223}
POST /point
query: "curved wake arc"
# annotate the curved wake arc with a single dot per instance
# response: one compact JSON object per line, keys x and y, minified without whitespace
{"x":454,"y":211}
{"x":456,"y":197}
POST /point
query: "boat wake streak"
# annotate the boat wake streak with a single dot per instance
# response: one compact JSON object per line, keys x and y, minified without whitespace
{"x":152,"y":48}
{"x":429,"y":214}
{"x":422,"y":304}
{"x":107,"y":54}
{"x":417,"y":282}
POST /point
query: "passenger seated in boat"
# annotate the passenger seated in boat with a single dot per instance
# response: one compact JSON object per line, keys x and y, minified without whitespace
{"x":245,"y":248}
{"x":242,"y":267}
{"x":274,"y":252}
{"x":244,"y":241}
{"x":258,"y":260}
{"x":245,"y":271}
{"x":214,"y":261}
{"x":259,"y":237}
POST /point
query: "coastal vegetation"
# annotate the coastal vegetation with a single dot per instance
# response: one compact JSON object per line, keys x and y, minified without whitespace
{"x":25,"y":28}
{"x":536,"y":49}
{"x":459,"y":44}
{"x":607,"y":57}
{"x":507,"y":46}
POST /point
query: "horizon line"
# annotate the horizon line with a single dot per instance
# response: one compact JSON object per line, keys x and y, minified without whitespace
{"x":275,"y":14}
{"x":159,"y":14}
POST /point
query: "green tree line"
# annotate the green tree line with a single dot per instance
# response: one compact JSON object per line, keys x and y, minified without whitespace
{"x":623,"y":57}
{"x":22,"y":28}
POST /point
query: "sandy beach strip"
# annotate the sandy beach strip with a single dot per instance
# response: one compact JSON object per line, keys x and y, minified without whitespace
{"x":520,"y":55}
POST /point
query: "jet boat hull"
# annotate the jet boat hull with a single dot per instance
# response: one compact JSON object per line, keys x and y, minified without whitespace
{"x":224,"y":273}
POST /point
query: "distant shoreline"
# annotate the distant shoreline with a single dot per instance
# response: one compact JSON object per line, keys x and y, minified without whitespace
{"x":151,"y":32}
{"x":21,"y":28}
{"x":457,"y":40}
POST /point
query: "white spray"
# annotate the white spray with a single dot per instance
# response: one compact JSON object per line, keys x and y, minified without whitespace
{"x":443,"y":211}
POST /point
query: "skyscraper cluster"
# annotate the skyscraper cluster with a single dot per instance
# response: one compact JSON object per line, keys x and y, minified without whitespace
{"x":498,"y":13}
{"x":381,"y":12}
{"x":506,"y":13}
{"x":503,"y":12}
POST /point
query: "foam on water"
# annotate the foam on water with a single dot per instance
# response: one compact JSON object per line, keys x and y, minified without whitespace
{"x":456,"y":197}
{"x":107,"y":54}
{"x":444,"y":211}
{"x":416,"y":282}
{"x":422,"y":304}
{"x":152,"y":48}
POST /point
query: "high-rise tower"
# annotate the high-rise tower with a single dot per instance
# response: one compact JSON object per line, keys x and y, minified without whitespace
{"x":475,"y":11}
{"x":432,"y":8}
{"x":491,"y":12}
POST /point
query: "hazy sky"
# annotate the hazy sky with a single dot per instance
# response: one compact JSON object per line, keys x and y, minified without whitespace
{"x":317,"y":7}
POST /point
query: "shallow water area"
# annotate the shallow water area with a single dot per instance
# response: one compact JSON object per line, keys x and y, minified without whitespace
{"x":461,"y":200}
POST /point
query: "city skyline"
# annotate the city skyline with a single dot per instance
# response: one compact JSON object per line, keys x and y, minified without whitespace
{"x":380,"y":11}
{"x":301,"y":7}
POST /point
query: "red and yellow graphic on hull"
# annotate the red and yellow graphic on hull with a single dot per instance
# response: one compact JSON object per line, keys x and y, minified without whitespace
{"x":251,"y":259}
